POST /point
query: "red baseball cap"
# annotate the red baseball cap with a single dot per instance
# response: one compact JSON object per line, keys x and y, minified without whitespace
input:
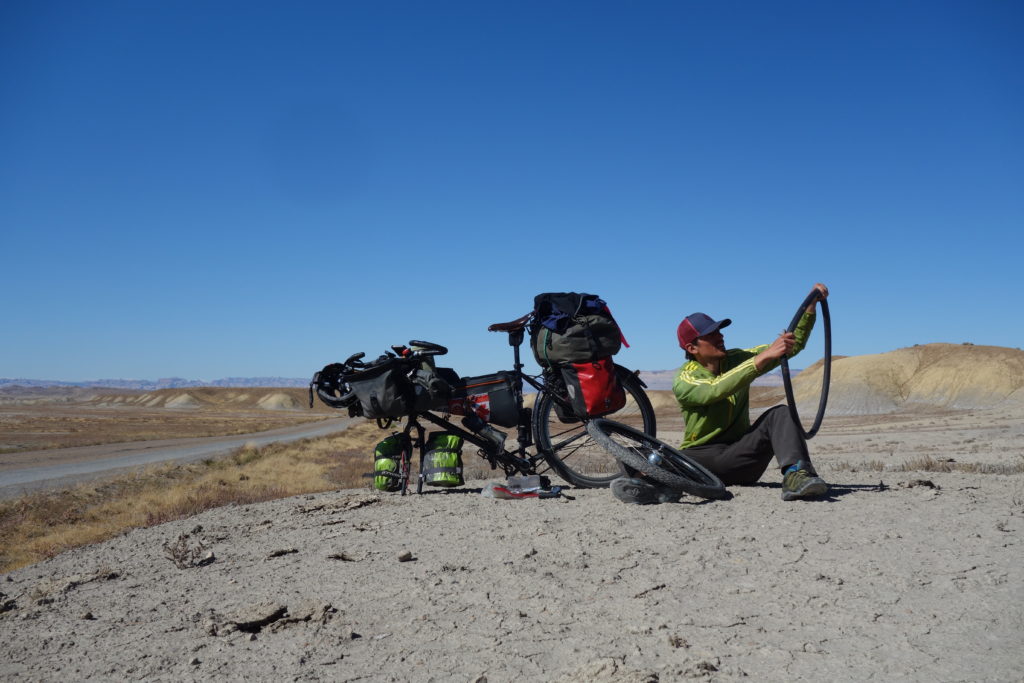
{"x":697,"y":325}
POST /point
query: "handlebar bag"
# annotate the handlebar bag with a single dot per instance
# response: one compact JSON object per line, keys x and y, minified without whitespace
{"x":383,"y":388}
{"x":570,"y":327}
{"x":593,"y":388}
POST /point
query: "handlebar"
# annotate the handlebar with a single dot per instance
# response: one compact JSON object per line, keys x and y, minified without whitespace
{"x":331,"y":385}
{"x":425,"y":348}
{"x":354,"y":360}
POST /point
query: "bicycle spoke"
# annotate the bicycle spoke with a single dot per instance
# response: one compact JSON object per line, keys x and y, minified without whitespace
{"x":558,"y":445}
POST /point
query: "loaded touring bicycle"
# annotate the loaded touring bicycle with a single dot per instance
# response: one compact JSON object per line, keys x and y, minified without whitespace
{"x":573,"y":337}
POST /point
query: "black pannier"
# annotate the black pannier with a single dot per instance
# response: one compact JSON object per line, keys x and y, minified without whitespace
{"x":383,"y":388}
{"x":570,"y":327}
{"x":489,"y":397}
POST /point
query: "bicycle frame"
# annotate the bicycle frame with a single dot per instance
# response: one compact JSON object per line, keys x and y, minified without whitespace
{"x":512,"y":462}
{"x":533,"y":425}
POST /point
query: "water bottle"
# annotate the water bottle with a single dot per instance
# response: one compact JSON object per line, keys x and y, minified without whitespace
{"x":473,"y":423}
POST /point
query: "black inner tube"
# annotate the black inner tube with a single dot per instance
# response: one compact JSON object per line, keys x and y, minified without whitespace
{"x":787,"y":381}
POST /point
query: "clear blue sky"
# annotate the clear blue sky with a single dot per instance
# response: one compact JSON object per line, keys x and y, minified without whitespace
{"x":212,"y":189}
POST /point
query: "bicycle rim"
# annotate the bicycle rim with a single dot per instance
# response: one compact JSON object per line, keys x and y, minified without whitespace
{"x":572,"y":452}
{"x":787,"y":381}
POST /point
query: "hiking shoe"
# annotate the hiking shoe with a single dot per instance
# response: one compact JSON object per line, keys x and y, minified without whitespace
{"x":643,"y":492}
{"x":803,"y":482}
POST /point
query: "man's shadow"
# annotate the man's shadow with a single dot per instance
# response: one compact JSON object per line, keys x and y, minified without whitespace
{"x":835,"y":491}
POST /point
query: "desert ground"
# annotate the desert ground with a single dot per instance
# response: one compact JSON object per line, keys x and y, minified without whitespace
{"x":909,"y":570}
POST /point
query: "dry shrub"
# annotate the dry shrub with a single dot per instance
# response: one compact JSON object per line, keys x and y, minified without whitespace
{"x":929,"y":464}
{"x":183,"y":554}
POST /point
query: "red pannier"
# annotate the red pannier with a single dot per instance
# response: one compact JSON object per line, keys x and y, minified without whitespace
{"x":593,"y":388}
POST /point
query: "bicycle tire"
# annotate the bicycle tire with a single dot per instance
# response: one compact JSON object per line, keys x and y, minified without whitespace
{"x":672,"y":468}
{"x":568,"y":448}
{"x":826,"y":370}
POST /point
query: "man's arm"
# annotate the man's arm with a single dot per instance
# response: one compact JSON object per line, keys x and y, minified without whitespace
{"x":694,"y":387}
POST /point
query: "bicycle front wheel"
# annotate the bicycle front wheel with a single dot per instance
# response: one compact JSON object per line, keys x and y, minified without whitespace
{"x":656,"y":459}
{"x":567,"y":446}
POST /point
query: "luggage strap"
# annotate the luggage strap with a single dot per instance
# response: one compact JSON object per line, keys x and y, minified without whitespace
{"x":442,"y":470}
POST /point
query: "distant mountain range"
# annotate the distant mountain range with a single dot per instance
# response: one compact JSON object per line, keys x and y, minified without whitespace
{"x":163,"y":383}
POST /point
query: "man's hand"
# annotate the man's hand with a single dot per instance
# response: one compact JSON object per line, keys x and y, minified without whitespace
{"x":778,"y":348}
{"x":822,"y":295}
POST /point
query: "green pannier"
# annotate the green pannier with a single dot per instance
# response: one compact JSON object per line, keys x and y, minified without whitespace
{"x":442,"y":465}
{"x":387,"y":462}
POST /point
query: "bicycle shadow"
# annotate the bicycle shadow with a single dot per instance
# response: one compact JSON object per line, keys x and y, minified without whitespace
{"x":448,"y":492}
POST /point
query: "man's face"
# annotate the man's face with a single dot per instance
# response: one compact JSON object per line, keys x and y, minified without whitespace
{"x":708,"y":347}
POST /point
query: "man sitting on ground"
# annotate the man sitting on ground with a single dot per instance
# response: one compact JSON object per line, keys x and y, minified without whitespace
{"x":712,"y":389}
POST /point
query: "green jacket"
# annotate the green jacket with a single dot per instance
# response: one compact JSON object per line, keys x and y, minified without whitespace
{"x":716,"y":408}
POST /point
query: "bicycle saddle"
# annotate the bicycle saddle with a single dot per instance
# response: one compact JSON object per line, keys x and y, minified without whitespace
{"x":518,"y":324}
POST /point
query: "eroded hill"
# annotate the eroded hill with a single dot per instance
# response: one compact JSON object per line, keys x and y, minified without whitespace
{"x":928,"y":376}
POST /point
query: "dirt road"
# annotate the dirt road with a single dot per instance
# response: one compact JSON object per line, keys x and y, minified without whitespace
{"x":31,"y":470}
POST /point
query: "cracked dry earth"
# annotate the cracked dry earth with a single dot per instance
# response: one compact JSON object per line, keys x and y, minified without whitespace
{"x":908,"y":578}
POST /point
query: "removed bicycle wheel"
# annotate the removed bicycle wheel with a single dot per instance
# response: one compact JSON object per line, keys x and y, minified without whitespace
{"x":655,"y":459}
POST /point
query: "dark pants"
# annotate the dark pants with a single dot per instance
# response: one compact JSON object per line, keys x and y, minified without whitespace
{"x":745,"y":460}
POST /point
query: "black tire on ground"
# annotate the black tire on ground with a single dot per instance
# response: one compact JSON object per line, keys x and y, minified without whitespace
{"x":572,"y":452}
{"x":669,"y":467}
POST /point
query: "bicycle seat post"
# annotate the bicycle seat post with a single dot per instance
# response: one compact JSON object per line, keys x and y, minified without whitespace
{"x":515,"y":340}
{"x":516,"y":331}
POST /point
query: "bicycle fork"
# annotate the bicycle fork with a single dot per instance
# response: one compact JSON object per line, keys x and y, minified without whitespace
{"x":419,"y":442}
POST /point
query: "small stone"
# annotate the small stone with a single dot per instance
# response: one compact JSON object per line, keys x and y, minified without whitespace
{"x":194,"y":661}
{"x":405,"y":557}
{"x":344,"y":557}
{"x":88,"y":616}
